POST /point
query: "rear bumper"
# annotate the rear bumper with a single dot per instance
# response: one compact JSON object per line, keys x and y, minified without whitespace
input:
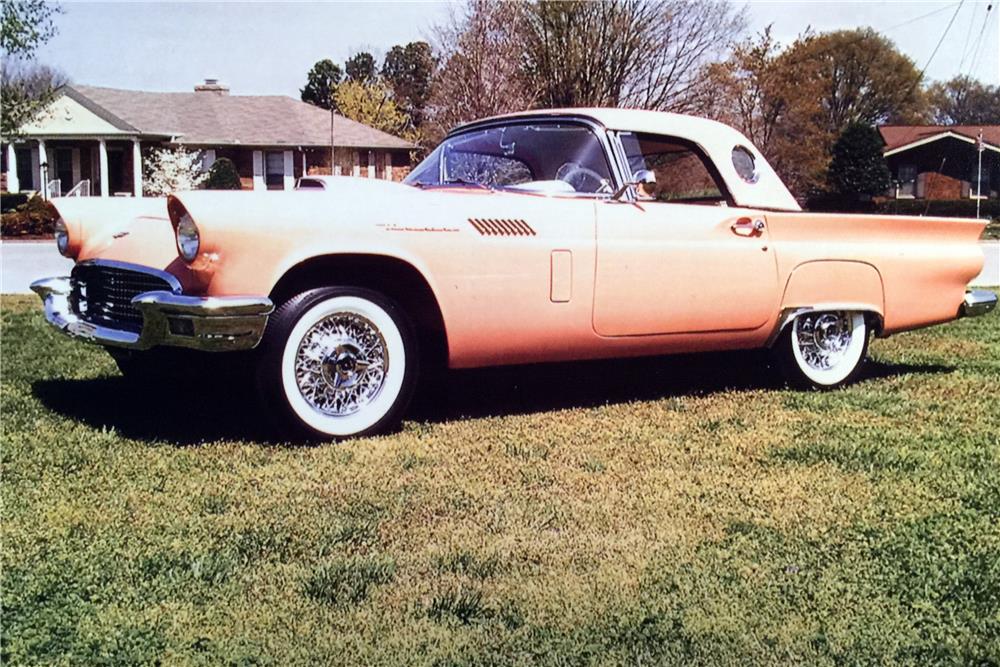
{"x":215,"y":324}
{"x":978,"y":302}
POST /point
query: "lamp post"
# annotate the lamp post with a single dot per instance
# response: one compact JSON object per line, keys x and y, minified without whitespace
{"x":979,"y":176}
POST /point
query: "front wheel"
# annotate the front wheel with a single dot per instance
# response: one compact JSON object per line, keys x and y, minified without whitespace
{"x":823,"y":350}
{"x":337,"y":363}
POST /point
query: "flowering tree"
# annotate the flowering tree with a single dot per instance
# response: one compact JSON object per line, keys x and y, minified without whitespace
{"x":170,"y":170}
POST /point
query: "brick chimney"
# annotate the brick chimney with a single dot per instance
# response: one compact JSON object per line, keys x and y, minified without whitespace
{"x":212,"y":86}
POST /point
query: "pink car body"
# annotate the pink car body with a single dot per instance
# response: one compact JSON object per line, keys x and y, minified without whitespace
{"x":537,"y":272}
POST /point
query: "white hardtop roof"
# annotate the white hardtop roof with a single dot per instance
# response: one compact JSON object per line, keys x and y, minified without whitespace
{"x":716,"y":139}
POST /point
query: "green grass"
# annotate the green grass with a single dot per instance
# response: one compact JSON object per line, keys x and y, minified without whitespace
{"x":672,"y":512}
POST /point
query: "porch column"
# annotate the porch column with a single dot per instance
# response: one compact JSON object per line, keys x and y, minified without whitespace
{"x":371,"y":164}
{"x":43,"y":163}
{"x":356,"y":169}
{"x":305,"y":165}
{"x":289,"y":173}
{"x":13,"y":185}
{"x":258,"y":171}
{"x":102,"y":156}
{"x":136,"y":169}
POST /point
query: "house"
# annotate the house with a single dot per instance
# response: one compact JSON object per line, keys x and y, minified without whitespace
{"x":92,"y":141}
{"x":942,"y":161}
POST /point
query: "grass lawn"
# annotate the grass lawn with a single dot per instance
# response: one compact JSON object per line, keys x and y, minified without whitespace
{"x":678,"y":511}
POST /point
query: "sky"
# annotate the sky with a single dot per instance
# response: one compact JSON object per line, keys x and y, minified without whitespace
{"x":266,"y":48}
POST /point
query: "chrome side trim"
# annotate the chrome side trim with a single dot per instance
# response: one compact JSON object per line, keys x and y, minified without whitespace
{"x":978,"y":302}
{"x":789,"y":314}
{"x":175,"y":284}
{"x":213,"y":324}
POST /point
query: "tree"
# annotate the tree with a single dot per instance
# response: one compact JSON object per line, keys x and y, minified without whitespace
{"x":321,"y":82}
{"x":361,"y":68}
{"x":858,"y":169}
{"x":964,"y":101}
{"x":408,"y":71}
{"x":170,"y":170}
{"x":25,"y":25}
{"x":777,"y":107}
{"x":637,"y":53}
{"x":482,"y":71}
{"x":223,"y":176}
{"x":862,"y":76}
{"x":371,"y":104}
{"x":26,"y":88}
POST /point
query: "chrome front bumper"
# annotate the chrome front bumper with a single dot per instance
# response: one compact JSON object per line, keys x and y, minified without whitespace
{"x":214,"y":324}
{"x":978,"y":302}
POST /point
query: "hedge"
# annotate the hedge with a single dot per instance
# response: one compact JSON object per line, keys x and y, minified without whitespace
{"x":9,"y":201}
{"x":35,"y":217}
{"x":946,"y":208}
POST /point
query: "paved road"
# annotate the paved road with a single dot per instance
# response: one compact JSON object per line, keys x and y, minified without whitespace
{"x":991,"y":270}
{"x":26,"y":261}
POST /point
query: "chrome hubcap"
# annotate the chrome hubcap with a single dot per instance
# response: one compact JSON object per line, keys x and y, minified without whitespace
{"x":341,"y":364}
{"x":823,"y":338}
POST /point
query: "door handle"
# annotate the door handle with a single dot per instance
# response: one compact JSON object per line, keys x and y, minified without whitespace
{"x":748,"y":227}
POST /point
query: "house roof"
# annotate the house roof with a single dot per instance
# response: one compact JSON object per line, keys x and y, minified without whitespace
{"x":901,"y":137}
{"x":210,"y":118}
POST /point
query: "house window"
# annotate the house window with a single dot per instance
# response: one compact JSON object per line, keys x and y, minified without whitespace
{"x":977,"y":185}
{"x":274,"y":170}
{"x":907,"y":177}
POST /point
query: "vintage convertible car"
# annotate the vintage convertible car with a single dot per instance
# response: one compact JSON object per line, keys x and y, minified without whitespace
{"x":532,"y":237}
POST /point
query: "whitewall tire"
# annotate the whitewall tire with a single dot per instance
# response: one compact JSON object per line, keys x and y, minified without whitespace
{"x":823,"y":350}
{"x":337,"y":363}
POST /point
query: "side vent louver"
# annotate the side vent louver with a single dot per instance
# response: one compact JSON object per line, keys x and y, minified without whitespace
{"x":496,"y":227}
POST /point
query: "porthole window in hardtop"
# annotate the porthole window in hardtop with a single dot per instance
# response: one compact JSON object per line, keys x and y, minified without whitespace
{"x":683,"y":172}
{"x":560,"y":158}
{"x":745,"y":164}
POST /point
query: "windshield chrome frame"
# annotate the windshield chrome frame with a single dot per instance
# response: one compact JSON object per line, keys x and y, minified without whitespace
{"x":610,"y":147}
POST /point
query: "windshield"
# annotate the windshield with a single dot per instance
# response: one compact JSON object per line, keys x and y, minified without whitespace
{"x":555,"y":158}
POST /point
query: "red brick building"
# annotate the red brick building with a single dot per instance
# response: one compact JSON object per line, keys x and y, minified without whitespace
{"x":95,"y":139}
{"x":942,"y":161}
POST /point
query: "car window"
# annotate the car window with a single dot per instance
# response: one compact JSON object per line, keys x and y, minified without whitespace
{"x":522,"y":156}
{"x":683,"y":172}
{"x":484,"y":169}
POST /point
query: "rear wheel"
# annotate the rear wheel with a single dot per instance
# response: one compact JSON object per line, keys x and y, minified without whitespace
{"x":337,"y":363}
{"x":823,"y":350}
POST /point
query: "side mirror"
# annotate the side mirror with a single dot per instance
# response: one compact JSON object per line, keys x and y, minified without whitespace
{"x":640,"y":177}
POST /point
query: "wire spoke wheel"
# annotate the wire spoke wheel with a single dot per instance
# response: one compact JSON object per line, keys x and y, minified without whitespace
{"x":337,"y":362}
{"x":341,"y":364}
{"x":823,"y":338}
{"x":823,"y":349}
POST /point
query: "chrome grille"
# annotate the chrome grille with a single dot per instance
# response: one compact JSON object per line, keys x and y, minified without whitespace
{"x":102,"y":294}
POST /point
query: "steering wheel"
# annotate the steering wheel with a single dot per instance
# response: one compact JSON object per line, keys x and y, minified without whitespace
{"x":583,"y":179}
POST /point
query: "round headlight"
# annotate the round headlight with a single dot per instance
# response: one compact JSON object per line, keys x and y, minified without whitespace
{"x":188,"y":240}
{"x":62,"y":237}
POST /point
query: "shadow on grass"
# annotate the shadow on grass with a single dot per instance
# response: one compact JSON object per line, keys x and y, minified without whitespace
{"x":544,"y":387}
{"x":192,"y":412}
